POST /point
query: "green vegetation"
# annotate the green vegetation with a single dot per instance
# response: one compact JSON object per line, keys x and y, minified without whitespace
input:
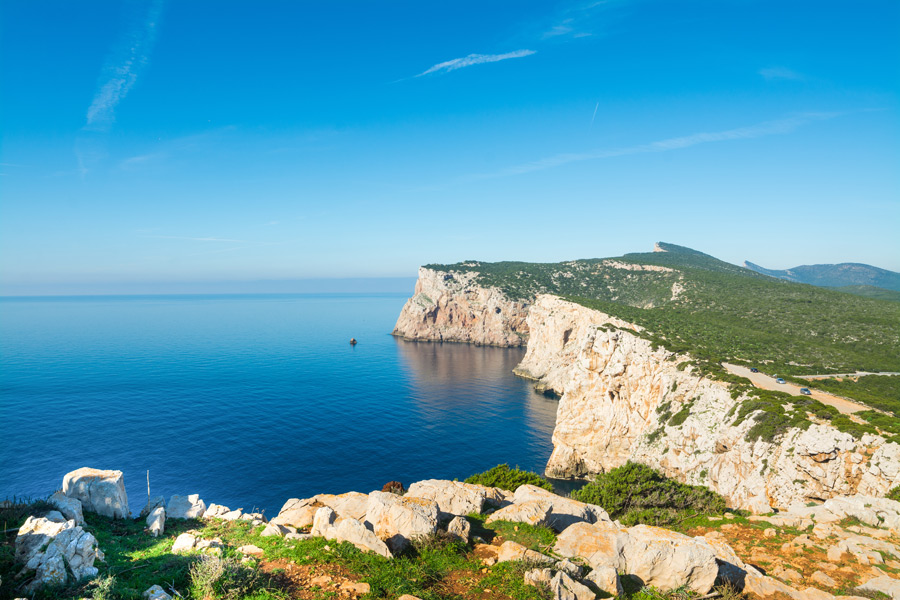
{"x":635,"y":493}
{"x":505,"y":478}
{"x":692,"y":303}
{"x":894,"y":493}
{"x":722,"y":313}
{"x":870,"y":291}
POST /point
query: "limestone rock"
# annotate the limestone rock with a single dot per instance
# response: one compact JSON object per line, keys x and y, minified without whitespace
{"x":532,"y":512}
{"x":213,"y":546}
{"x":564,"y":511}
{"x":299,"y":513}
{"x":186,"y":507}
{"x":251,"y":550}
{"x":668,"y":560}
{"x":215,"y":511}
{"x":820,"y":578}
{"x":53,"y":547}
{"x":398,"y":519}
{"x":460,"y":528}
{"x":563,"y":587}
{"x":323,"y":523}
{"x":156,"y":521}
{"x":570,"y":568}
{"x":102,"y":492}
{"x":69,"y":507}
{"x":184,"y":543}
{"x":539,"y":578}
{"x":612,"y":382}
{"x":601,"y":544}
{"x":884,"y":584}
{"x":156,"y":593}
{"x":788,"y":574}
{"x":514,"y":551}
{"x":152,"y":504}
{"x":280,"y":530}
{"x":351,"y":530}
{"x":607,"y":580}
{"x":458,"y":498}
{"x":452,"y":307}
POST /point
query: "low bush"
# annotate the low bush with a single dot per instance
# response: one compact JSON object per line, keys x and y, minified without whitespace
{"x":505,"y":478}
{"x":635,"y":493}
{"x":894,"y":493}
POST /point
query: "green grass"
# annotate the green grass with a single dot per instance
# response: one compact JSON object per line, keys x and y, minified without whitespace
{"x":635,"y":493}
{"x":502,"y":476}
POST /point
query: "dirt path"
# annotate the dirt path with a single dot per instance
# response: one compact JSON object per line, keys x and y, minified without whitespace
{"x":765,"y":382}
{"x":831,"y":375}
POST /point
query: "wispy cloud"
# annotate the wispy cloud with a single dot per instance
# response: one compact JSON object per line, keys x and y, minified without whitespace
{"x":767,"y":128}
{"x":473,"y":59}
{"x":194,"y":239}
{"x":122,"y":69}
{"x":776,"y":73}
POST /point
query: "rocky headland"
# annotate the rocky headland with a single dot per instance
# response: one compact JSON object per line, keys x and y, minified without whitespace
{"x":619,"y":393}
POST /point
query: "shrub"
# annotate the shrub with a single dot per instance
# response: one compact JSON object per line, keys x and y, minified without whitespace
{"x":635,"y":493}
{"x":225,"y":578}
{"x":894,"y":493}
{"x":505,"y":478}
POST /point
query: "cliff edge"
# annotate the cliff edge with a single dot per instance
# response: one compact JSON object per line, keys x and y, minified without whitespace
{"x":624,"y":399}
{"x":450,"y":306}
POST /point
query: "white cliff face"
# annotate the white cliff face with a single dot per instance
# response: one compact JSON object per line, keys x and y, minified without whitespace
{"x":452,"y":307}
{"x":611,"y":384}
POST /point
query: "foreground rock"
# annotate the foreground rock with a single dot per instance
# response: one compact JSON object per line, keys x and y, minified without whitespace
{"x":658,"y":557}
{"x":69,"y":507}
{"x":399,"y":519}
{"x":186,"y":507}
{"x":455,"y":498}
{"x":52,"y":547}
{"x":156,"y":593}
{"x":156,"y":521}
{"x":101,"y":492}
{"x":299,"y":513}
{"x":327,"y":525}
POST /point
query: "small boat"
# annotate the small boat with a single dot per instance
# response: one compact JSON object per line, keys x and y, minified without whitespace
{"x":352,"y":341}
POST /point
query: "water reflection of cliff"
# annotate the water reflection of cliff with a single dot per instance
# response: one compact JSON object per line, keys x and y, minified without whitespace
{"x":477,"y":383}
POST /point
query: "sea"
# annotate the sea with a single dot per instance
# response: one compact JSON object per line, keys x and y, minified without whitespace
{"x":249,"y":400}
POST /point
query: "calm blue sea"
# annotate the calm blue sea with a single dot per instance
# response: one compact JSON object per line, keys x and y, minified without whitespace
{"x":250,"y":400}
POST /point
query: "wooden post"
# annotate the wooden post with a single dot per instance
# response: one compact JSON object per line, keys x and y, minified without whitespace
{"x":148,"y":486}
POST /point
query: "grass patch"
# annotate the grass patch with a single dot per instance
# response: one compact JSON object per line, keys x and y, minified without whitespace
{"x":635,"y":493}
{"x":502,"y":476}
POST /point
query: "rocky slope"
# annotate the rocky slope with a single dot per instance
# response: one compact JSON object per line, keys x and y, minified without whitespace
{"x":451,"y":307}
{"x":618,"y":394}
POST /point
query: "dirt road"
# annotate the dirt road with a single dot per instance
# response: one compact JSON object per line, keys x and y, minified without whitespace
{"x":765,"y":382}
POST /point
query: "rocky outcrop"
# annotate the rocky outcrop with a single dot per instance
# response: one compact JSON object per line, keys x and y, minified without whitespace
{"x":618,"y":393}
{"x":102,"y":492}
{"x":453,"y":307}
{"x":458,"y":498}
{"x":54,"y":548}
{"x":186,"y":507}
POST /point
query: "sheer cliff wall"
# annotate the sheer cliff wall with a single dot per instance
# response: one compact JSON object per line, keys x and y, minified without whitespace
{"x":451,"y":307}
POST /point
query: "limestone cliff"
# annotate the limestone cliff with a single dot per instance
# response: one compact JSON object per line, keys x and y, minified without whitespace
{"x":452,"y":307}
{"x":617,"y":391}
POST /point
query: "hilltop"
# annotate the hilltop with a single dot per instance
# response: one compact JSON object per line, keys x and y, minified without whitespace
{"x":691,"y":301}
{"x":843,"y":275}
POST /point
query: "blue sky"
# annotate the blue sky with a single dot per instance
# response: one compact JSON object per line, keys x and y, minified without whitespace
{"x":154,"y":142}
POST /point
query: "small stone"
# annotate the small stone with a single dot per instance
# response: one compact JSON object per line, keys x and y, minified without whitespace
{"x":460,"y":528}
{"x":156,"y":593}
{"x":355,"y":587}
{"x":788,"y":575}
{"x":770,"y":533}
{"x":184,"y":543}
{"x":320,"y":581}
{"x":252,"y":550}
{"x":822,"y":579}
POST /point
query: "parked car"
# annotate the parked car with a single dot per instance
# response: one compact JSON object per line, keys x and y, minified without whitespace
{"x":754,"y":370}
{"x":779,"y":380}
{"x":805,"y":391}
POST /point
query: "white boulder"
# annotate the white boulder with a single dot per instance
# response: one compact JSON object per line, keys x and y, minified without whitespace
{"x":460,"y":528}
{"x":184,"y":543}
{"x":156,"y":521}
{"x":564,"y":511}
{"x":186,"y":507}
{"x":514,"y":551}
{"x":885,"y":585}
{"x":458,"y":498}
{"x":69,"y":507}
{"x":53,"y":547}
{"x":532,"y":512}
{"x":102,"y":492}
{"x":563,"y":587}
{"x":152,"y":503}
{"x":399,"y":519}
{"x":156,"y":593}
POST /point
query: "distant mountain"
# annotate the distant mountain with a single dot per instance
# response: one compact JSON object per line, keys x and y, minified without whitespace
{"x":837,"y":276}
